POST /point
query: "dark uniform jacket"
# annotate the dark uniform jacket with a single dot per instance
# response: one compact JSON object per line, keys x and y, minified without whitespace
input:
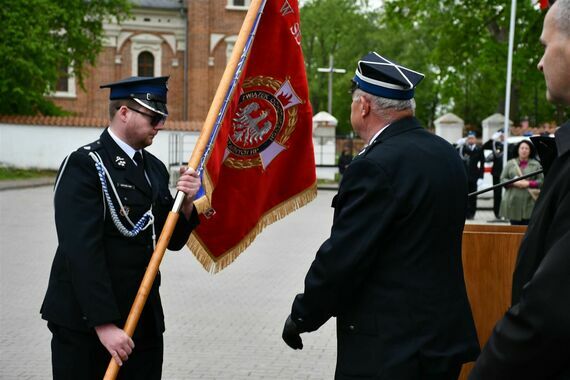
{"x":391,"y":271}
{"x":474,"y":161}
{"x":532,"y":340}
{"x":498,"y":147}
{"x":97,"y":271}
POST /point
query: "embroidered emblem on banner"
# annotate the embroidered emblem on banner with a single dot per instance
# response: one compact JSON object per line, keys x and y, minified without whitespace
{"x":265,"y":119}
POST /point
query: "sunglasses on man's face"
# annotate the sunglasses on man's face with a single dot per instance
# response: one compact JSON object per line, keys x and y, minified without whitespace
{"x":155,"y":118}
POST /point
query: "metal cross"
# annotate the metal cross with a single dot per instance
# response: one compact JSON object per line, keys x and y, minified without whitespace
{"x":331,"y":70}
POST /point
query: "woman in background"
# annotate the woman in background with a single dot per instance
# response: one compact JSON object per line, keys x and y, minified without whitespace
{"x":520,"y":197}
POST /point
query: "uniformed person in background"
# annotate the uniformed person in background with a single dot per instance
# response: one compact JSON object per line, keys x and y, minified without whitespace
{"x":391,"y":270}
{"x":474,"y":162}
{"x":111,"y":202}
{"x":497,"y":148}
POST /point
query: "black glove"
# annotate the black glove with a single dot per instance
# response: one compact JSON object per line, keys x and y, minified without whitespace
{"x":291,"y":334}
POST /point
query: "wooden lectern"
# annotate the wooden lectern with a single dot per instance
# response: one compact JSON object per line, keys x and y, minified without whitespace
{"x":489,"y":257}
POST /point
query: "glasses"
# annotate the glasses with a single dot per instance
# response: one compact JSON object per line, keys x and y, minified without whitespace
{"x":155,"y":118}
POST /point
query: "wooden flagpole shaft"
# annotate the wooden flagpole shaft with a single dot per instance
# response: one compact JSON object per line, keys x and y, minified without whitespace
{"x":170,"y":224}
{"x":146,"y":285}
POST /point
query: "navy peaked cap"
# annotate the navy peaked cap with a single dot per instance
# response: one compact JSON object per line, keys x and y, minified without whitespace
{"x":379,"y":76}
{"x":149,"y":92}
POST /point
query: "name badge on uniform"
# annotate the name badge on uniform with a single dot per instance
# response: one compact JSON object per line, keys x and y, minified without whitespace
{"x":125,"y":186}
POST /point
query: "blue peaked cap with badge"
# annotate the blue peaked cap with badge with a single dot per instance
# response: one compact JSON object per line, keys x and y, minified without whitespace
{"x":379,"y":76}
{"x":149,"y":92}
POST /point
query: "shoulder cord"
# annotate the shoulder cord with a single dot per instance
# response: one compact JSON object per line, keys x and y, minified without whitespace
{"x":145,"y":221}
{"x":61,"y":173}
{"x":59,"y":179}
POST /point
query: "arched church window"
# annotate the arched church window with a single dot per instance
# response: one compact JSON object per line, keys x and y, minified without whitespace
{"x":145,"y":64}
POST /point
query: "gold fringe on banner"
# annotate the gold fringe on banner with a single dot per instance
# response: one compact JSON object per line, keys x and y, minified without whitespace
{"x":214,"y":265}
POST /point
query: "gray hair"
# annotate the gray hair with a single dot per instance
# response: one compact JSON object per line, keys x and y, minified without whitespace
{"x":380,"y":104}
{"x":562,"y":17}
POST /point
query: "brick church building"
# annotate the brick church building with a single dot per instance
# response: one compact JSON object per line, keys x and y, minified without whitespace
{"x":189,"y":40}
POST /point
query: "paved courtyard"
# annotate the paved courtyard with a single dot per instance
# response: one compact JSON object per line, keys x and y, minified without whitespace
{"x":223,"y":326}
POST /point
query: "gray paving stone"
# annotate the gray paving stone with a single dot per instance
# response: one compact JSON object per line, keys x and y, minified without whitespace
{"x":223,"y":326}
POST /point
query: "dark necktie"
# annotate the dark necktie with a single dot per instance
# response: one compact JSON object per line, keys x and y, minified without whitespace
{"x":139,"y":160}
{"x":140,"y":168}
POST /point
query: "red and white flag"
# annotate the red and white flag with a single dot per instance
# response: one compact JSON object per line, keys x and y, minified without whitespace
{"x":260,"y":166}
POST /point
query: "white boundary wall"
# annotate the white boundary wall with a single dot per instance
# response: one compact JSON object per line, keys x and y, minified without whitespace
{"x":45,"y":147}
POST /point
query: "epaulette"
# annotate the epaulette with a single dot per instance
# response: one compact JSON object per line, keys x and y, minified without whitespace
{"x":92,"y":147}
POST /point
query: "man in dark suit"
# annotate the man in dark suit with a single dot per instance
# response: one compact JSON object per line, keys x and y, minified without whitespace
{"x":497,"y":147}
{"x":111,"y":201}
{"x":531,"y":341}
{"x":391,"y":270}
{"x":474,"y":161}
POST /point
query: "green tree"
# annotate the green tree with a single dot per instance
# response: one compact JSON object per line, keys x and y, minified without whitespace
{"x":341,"y":28}
{"x":39,"y":38}
{"x":465,"y":46}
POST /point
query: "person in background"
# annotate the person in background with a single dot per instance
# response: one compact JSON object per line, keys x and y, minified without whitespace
{"x":531,"y":341}
{"x":344,"y":159}
{"x":497,"y":148}
{"x":474,"y":162}
{"x":520,"y":197}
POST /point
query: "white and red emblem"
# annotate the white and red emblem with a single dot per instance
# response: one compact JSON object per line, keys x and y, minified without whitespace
{"x":265,"y":119}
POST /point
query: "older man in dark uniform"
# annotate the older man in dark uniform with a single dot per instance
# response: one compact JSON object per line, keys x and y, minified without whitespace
{"x":531,"y":341}
{"x":391,"y":270}
{"x":111,"y":201}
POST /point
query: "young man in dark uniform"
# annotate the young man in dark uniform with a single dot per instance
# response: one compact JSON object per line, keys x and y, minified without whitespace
{"x":111,"y":202}
{"x":391,"y":270}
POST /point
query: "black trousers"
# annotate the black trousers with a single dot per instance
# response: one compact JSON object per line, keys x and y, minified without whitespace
{"x":497,"y":196}
{"x":81,"y":356}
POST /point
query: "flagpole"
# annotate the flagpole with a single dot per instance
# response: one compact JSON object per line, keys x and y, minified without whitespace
{"x":223,"y":93}
{"x":506,"y":125}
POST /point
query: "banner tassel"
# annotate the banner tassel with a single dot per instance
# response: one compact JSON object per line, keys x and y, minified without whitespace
{"x":214,"y":265}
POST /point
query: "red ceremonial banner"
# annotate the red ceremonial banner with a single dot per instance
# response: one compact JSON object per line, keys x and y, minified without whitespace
{"x":261,"y":165}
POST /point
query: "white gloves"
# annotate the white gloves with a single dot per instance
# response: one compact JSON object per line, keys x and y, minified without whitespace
{"x":479,"y":182}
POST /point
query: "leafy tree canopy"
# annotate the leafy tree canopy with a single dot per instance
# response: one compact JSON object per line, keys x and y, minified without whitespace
{"x":461,"y":46}
{"x":39,"y":38}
